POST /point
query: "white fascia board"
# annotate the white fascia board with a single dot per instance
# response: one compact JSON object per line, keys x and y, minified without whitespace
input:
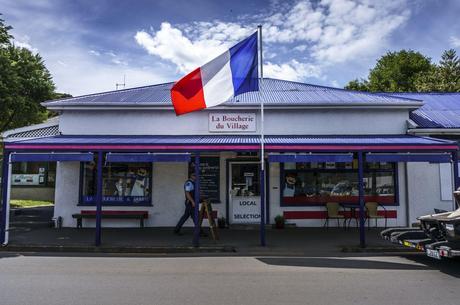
{"x":238,"y":107}
{"x":434,"y":131}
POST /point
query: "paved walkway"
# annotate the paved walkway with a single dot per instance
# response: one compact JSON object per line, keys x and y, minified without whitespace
{"x":296,"y":241}
{"x":30,"y":230}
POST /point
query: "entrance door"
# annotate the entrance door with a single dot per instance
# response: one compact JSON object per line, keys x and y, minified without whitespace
{"x":244,"y":192}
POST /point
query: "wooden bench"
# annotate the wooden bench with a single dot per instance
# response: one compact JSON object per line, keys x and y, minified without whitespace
{"x":91,"y":214}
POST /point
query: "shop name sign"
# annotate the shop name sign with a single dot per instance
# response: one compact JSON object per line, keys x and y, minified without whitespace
{"x":232,"y":122}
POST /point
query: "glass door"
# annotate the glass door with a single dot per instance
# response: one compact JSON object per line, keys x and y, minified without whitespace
{"x":244,"y":192}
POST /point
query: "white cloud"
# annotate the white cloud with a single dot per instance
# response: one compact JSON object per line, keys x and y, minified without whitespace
{"x":292,"y":70}
{"x":94,"y":52}
{"x":171,"y":44}
{"x":329,"y":32}
{"x":76,"y":68}
{"x":76,"y":72}
{"x":24,"y":42}
{"x":454,"y":41}
{"x":301,"y":48}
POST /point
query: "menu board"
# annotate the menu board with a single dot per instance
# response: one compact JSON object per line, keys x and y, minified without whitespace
{"x":210,"y":178}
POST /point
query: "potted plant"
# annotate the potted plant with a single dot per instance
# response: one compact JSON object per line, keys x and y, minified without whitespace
{"x":221,"y":222}
{"x":279,"y":222}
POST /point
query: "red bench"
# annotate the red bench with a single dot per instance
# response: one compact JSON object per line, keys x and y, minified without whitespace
{"x":91,"y":214}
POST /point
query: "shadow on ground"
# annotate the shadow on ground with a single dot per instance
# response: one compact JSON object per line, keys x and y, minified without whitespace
{"x":449,"y":266}
{"x":342,"y":263}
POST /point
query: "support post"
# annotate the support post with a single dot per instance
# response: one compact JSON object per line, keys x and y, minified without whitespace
{"x":455,"y":169}
{"x":196,"y":233}
{"x":455,"y":177}
{"x":362,"y":230}
{"x":5,"y":195}
{"x":100,"y":156}
{"x":262,"y":208}
{"x":262,"y":144}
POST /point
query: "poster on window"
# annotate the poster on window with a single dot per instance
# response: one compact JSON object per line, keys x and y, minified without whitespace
{"x":122,"y":183}
{"x":27,"y":179}
{"x":246,"y":210}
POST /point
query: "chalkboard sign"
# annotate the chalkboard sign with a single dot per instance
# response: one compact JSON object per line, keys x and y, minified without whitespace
{"x":209,"y":178}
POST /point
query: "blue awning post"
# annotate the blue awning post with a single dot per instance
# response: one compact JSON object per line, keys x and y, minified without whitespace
{"x":362,"y":237}
{"x":5,"y":186}
{"x":100,"y":157}
{"x":262,"y":207}
{"x":196,"y":233}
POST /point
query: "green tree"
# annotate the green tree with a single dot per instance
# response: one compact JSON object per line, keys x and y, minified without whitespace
{"x":4,"y":35}
{"x":443,"y":77}
{"x":24,"y":84}
{"x":394,"y":72}
{"x":358,"y":85}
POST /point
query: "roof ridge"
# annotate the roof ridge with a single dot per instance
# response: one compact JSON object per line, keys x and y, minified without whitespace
{"x":429,"y":93}
{"x":340,"y":89}
{"x":106,"y":92}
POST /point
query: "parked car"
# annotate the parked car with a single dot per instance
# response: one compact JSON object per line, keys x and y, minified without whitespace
{"x":438,"y":234}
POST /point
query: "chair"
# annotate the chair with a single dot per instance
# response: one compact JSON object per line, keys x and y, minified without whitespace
{"x":333,"y":213}
{"x":372,"y":213}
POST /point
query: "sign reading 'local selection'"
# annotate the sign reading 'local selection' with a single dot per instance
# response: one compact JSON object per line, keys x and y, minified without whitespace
{"x":232,"y":122}
{"x":246,"y":209}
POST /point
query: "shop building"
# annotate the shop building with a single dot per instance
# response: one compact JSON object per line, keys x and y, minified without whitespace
{"x":33,"y":180}
{"x":322,"y":145}
{"x":439,"y":117}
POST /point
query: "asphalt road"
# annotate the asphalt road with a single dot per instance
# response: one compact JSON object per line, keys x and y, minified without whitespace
{"x":67,"y":280}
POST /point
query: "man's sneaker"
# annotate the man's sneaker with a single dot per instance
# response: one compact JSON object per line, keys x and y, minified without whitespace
{"x":179,"y":233}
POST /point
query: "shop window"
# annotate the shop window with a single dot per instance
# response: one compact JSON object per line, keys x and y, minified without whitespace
{"x":33,"y":174}
{"x":245,"y":180}
{"x":122,"y":184}
{"x":318,"y":183}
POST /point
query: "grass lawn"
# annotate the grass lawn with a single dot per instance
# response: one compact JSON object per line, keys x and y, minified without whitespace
{"x":29,"y":203}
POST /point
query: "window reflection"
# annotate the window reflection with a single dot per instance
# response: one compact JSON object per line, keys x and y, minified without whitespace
{"x":313,"y":183}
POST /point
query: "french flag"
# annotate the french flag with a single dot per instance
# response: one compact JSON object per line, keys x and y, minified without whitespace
{"x":232,"y":73}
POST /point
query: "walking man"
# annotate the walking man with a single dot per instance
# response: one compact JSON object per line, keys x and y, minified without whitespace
{"x":189,"y":189}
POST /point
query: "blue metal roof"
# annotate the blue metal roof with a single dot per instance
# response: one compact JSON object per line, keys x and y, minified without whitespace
{"x":236,"y":140}
{"x":273,"y":92}
{"x":440,"y":110}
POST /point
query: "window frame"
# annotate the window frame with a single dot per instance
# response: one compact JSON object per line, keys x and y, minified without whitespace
{"x":283,"y":171}
{"x":46,"y":184}
{"x":124,"y":203}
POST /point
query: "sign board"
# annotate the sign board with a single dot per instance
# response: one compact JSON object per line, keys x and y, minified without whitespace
{"x":232,"y":122}
{"x":27,"y":179}
{"x":246,"y":210}
{"x":209,"y":178}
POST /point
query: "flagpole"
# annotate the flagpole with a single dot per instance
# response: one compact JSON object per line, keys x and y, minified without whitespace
{"x":262,"y":144}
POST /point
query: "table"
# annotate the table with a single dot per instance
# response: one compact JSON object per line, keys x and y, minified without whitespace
{"x":354,"y":213}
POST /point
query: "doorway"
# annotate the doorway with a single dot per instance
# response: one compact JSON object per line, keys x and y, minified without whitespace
{"x":244,"y":192}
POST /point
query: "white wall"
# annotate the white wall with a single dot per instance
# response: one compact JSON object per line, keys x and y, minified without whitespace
{"x":425,"y":190}
{"x":167,"y":196}
{"x":66,"y":194}
{"x":279,"y":122}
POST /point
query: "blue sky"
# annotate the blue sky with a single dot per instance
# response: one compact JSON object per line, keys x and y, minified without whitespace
{"x":89,"y":45}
